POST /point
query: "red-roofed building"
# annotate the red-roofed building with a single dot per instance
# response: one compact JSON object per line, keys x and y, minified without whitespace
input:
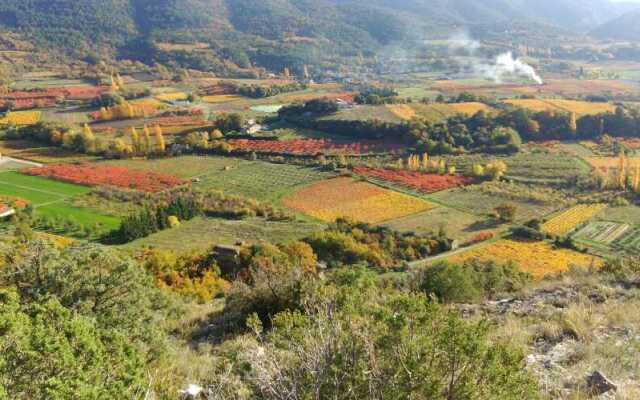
{"x":6,"y":211}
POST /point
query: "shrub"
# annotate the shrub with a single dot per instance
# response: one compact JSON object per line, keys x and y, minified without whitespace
{"x":459,"y":283}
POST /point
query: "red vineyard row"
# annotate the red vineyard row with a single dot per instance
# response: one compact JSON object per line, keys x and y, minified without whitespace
{"x":105,"y":175}
{"x":423,"y":182}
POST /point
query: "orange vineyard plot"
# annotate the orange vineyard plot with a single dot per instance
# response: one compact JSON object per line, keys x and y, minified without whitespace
{"x":536,"y":258}
{"x":604,"y":163}
{"x":469,"y":108}
{"x":402,"y":111}
{"x":567,"y":221}
{"x":343,"y":197}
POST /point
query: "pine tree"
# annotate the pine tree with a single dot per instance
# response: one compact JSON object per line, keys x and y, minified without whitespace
{"x":160,"y":143}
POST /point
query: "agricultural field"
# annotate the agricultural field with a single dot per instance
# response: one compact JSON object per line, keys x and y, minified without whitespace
{"x":560,"y":105}
{"x":185,"y":167}
{"x":203,"y":233}
{"x":568,"y":220}
{"x":104,"y":175}
{"x":536,"y":258}
{"x":35,"y":152}
{"x":626,"y":215}
{"x":331,"y":199}
{"x":21,"y":118}
{"x":611,"y":163}
{"x":422,"y":182}
{"x":629,"y":242}
{"x":541,"y":166}
{"x":313,"y":146}
{"x":53,"y":199}
{"x":259,"y":180}
{"x":435,"y":112}
{"x":601,"y":233}
{"x":459,"y":225}
{"x":482,"y":202}
{"x":171,"y":96}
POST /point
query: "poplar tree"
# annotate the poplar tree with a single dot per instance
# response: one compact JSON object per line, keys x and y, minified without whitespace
{"x":160,"y":143}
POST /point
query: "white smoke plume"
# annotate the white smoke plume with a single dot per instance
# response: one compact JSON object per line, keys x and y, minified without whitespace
{"x":506,"y":65}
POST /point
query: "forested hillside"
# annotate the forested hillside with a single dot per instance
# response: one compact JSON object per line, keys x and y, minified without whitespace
{"x":274,"y":33}
{"x":624,"y":27}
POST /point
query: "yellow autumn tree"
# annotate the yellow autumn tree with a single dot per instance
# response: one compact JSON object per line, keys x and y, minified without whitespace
{"x":146,"y":143}
{"x":573,"y":123}
{"x":160,"y":143}
{"x":135,"y":141}
{"x":88,"y":139}
{"x":425,"y":161}
{"x":478,"y":170}
{"x":621,"y":172}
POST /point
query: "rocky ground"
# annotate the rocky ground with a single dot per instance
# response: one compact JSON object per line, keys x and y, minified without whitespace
{"x":581,"y":332}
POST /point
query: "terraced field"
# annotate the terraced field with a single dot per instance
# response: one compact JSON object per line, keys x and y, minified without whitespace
{"x":565,"y":222}
{"x":602,"y":232}
{"x":630,"y":241}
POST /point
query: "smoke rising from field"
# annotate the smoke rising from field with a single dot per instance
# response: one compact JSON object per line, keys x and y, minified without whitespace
{"x":506,"y":65}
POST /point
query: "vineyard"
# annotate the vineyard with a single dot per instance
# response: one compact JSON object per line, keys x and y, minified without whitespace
{"x":423,"y":182}
{"x":537,"y":258}
{"x":437,"y":111}
{"x":172,"y":96}
{"x":602,"y":232}
{"x":313,"y":146}
{"x":567,"y":221}
{"x":103,"y":175}
{"x":630,"y":241}
{"x":344,"y":197}
{"x":561,"y":105}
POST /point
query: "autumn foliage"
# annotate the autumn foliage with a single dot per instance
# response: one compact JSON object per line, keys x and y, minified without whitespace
{"x":104,"y":175}
{"x":312,"y":146}
{"x":424,"y":182}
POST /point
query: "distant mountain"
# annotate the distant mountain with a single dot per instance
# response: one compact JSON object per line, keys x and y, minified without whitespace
{"x":275,"y":33}
{"x":625,"y":27}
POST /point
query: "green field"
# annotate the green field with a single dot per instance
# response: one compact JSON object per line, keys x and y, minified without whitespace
{"x":255,"y":179}
{"x":202,"y":233}
{"x":630,"y":241}
{"x":53,"y":199}
{"x":483,"y":204}
{"x":364,"y":113}
{"x":185,"y":167}
{"x":459,"y":225}
{"x":529,"y":166}
{"x":625,"y":215}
